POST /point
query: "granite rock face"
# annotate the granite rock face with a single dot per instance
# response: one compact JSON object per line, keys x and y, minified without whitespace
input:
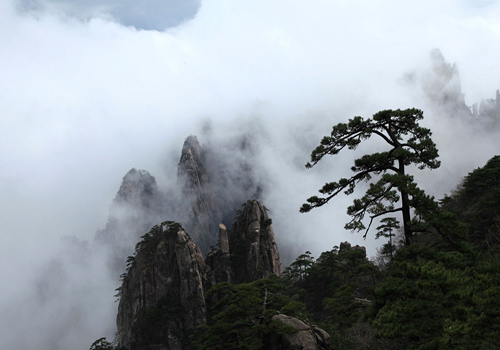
{"x":306,"y":337}
{"x":162,"y":297}
{"x":162,"y":294}
{"x":204,"y":213}
{"x":138,"y":205}
{"x":249,"y":252}
{"x":219,"y":260}
{"x":254,"y":253}
{"x":139,"y":189}
{"x":208,"y":191}
{"x":443,"y":87}
{"x":346,"y":246}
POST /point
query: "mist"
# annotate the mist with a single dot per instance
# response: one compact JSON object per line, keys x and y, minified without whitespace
{"x":148,"y":14}
{"x":87,"y":95}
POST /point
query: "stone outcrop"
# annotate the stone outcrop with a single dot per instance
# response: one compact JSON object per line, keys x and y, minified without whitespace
{"x":443,"y":87}
{"x":138,"y":205}
{"x":204,"y":214}
{"x":139,"y":189}
{"x":209,"y":190}
{"x":249,"y":252}
{"x":254,"y":253}
{"x":306,"y":337}
{"x":489,"y":111}
{"x":345,"y":246}
{"x":162,"y":297}
{"x":219,"y":260}
{"x":162,"y":294}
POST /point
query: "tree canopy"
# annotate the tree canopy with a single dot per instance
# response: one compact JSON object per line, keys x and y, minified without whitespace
{"x":102,"y":344}
{"x":443,"y":299}
{"x":442,"y":293}
{"x":394,"y":191}
{"x":477,"y":202}
{"x":241,"y":315}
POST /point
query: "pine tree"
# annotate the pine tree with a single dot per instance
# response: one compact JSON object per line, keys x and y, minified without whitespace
{"x":408,"y":142}
{"x":389,"y":224}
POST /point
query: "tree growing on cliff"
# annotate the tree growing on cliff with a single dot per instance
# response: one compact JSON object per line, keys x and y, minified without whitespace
{"x":102,"y":344}
{"x":241,"y":315}
{"x":388,"y":225}
{"x":394,"y":191}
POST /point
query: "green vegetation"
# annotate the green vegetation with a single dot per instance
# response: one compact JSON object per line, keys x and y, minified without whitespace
{"x":241,"y":315}
{"x":443,"y":299}
{"x":409,"y":144}
{"x":336,"y":289}
{"x":438,"y":290}
{"x":387,"y":230}
{"x":477,"y":202}
{"x":443,"y":292}
{"x":102,"y":344}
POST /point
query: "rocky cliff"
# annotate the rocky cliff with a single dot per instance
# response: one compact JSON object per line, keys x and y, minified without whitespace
{"x":254,"y":251}
{"x":138,"y":205}
{"x":162,"y":297}
{"x":249,"y":251}
{"x":305,"y":337}
{"x":209,"y":190}
{"x":163,"y":291}
{"x":204,"y":213}
{"x":442,"y":87}
{"x":162,"y":294}
{"x":219,"y":260}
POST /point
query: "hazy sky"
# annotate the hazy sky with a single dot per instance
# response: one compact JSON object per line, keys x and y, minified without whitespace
{"x":145,"y":14}
{"x":87,"y":94}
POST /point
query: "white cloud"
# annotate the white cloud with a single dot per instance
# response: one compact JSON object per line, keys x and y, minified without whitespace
{"x":83,"y":101}
{"x":145,"y":14}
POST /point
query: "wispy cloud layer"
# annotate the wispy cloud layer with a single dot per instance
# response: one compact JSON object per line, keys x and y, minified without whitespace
{"x":85,"y":98}
{"x":146,"y":14}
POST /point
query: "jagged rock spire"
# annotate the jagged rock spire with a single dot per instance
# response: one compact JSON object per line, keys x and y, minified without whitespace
{"x":138,"y":205}
{"x":165,"y":275}
{"x":204,"y":214}
{"x":254,"y":252}
{"x":163,"y":291}
{"x":139,"y":189}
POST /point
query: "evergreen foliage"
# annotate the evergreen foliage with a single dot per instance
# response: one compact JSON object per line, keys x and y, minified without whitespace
{"x":386,"y":229}
{"x":300,"y":268}
{"x":241,"y":315}
{"x":442,"y":300}
{"x":102,"y":344}
{"x":477,"y":203}
{"x":440,"y":292}
{"x":333,"y":288}
{"x":408,"y":142}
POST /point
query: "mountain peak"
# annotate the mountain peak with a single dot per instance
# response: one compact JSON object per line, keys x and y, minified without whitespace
{"x":191,"y":147}
{"x":138,"y":187}
{"x":199,"y":198}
